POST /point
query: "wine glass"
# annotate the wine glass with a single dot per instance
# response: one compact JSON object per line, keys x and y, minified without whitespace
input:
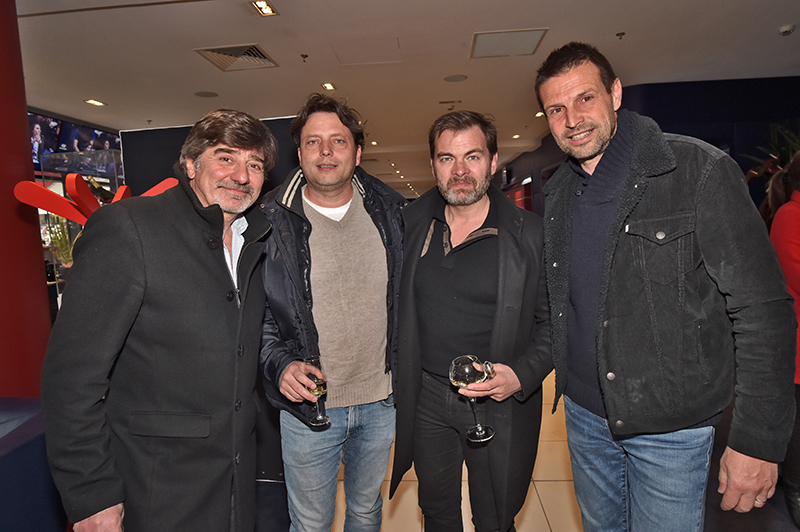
{"x":464,"y":370}
{"x":320,"y":419}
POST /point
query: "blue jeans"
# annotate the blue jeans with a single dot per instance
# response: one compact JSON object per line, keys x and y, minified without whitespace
{"x":361,"y":436}
{"x":648,"y":482}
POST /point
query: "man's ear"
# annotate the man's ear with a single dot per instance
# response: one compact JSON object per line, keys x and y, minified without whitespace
{"x":190,"y":170}
{"x":616,"y":93}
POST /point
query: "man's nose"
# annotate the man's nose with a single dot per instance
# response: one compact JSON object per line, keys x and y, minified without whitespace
{"x":241,"y":173}
{"x":325,"y":147}
{"x":572,"y":118}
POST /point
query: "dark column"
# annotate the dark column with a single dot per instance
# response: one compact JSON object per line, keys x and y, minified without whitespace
{"x":24,"y":314}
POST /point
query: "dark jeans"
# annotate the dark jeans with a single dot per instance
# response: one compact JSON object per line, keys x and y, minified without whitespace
{"x":790,"y":469}
{"x":440,"y":448}
{"x":272,"y":512}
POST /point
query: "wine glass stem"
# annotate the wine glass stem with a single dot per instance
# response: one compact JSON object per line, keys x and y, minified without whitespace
{"x":479,"y":429}
{"x":320,"y":409}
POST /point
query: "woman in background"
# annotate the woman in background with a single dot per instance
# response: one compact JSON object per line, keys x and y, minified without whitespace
{"x":784,"y":201}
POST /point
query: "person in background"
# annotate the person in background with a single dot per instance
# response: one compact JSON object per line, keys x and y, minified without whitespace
{"x":784,"y":200}
{"x":331,"y":275}
{"x":472,"y":283}
{"x":665,"y":297}
{"x":148,"y":385}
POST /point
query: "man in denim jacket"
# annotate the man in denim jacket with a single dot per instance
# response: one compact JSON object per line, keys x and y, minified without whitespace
{"x":662,"y":282}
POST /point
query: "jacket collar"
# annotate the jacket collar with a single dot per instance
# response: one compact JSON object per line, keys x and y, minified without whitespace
{"x":432,"y":202}
{"x":257,"y":224}
{"x":290,"y":192}
{"x":651,"y":155}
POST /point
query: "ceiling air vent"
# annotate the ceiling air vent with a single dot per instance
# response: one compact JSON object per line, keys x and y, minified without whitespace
{"x":242,"y":57}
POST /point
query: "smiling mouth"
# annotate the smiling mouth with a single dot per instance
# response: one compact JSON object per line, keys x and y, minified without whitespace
{"x":582,"y":135}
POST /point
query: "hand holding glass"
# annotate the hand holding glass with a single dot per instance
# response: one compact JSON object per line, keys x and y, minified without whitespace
{"x":465,"y":370}
{"x":319,"y":419}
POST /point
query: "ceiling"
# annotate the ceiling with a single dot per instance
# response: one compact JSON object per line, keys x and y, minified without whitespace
{"x":387,"y":58}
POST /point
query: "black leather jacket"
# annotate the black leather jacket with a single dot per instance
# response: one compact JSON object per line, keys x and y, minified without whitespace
{"x":691,"y":291}
{"x":289,"y":332}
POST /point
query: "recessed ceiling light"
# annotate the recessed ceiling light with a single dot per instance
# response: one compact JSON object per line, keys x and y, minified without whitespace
{"x":374,"y":143}
{"x":397,"y":171}
{"x":98,"y":103}
{"x":539,"y":114}
{"x":264,"y":9}
{"x":328,"y":87}
{"x":515,"y":137}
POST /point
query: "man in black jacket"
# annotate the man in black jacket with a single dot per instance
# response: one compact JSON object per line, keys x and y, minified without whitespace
{"x":473,"y":283}
{"x":148,"y":385}
{"x":662,"y":281}
{"x":337,"y":236}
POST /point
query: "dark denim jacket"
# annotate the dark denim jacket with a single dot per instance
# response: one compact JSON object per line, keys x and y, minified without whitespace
{"x":691,"y":293}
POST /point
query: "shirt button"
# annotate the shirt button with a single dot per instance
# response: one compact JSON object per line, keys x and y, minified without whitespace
{"x":610,"y":376}
{"x":236,"y":458}
{"x":240,"y":350}
{"x":230,"y":295}
{"x":578,"y":192}
{"x":661,"y":235}
{"x":605,"y":323}
{"x":619,"y":423}
{"x":212,"y":243}
{"x":238,"y":405}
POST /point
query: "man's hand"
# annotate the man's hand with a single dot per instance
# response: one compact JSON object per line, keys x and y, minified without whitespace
{"x":744,"y":481}
{"x":108,"y":520}
{"x":294,"y":380}
{"x":503,"y":385}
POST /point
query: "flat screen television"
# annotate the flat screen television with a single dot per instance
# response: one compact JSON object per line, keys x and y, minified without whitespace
{"x":45,"y":132}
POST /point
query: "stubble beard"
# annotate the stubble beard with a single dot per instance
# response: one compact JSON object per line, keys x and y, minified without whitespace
{"x":598,"y":147}
{"x":234,"y":206}
{"x":464,"y":198}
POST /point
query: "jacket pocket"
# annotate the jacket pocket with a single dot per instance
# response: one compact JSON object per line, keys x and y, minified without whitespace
{"x":170,"y":424}
{"x":663,"y":245}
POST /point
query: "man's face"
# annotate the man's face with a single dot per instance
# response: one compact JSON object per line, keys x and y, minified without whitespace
{"x":462,"y":165}
{"x":581,"y":113}
{"x":226,"y":176}
{"x":328,"y":154}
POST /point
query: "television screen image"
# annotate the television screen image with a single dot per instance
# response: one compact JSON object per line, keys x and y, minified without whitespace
{"x":45,"y":132}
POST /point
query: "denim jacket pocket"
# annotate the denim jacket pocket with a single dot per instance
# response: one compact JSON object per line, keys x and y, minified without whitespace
{"x":663,"y":246}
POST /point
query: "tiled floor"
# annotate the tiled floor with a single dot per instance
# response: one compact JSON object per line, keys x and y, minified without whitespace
{"x":550,"y":506}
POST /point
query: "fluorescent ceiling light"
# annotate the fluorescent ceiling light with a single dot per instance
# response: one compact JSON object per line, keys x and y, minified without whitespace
{"x":328,"y":87}
{"x":98,"y":103}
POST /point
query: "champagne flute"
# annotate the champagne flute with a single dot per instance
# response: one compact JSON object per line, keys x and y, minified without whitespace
{"x":464,"y":370}
{"x":319,"y":419}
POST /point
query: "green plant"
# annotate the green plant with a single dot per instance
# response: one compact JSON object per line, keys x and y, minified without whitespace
{"x":782,"y":144}
{"x":59,"y":235}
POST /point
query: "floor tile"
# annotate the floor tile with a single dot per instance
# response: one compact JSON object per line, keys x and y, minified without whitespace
{"x":552,"y":461}
{"x":553,"y":427}
{"x":560,"y":507}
